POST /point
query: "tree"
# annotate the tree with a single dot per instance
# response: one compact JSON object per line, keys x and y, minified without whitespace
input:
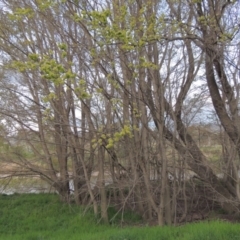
{"x":111,"y":86}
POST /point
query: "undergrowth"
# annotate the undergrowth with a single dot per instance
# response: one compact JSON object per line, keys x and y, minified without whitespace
{"x":44,"y":217}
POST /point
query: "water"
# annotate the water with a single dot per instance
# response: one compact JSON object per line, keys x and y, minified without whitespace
{"x":34,"y":184}
{"x":10,"y":185}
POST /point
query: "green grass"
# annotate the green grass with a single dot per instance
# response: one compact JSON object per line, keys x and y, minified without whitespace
{"x":44,"y":217}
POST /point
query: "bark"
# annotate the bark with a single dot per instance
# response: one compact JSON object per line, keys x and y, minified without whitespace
{"x":104,"y":204}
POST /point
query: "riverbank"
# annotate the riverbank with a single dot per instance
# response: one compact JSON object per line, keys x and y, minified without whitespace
{"x":43,"y":216}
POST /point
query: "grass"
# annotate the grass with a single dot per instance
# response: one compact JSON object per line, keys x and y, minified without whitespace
{"x":44,"y":217}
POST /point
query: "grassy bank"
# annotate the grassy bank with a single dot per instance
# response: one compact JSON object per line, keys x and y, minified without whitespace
{"x":43,"y":217}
